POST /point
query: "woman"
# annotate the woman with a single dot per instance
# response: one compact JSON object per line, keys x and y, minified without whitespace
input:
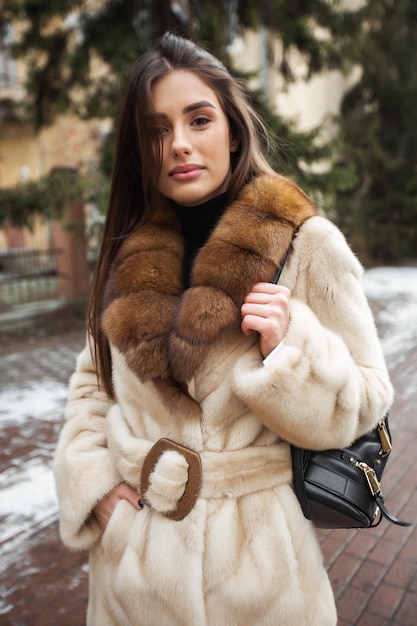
{"x":173,"y":468}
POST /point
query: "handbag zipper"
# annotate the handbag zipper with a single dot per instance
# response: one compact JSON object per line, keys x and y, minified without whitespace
{"x":371,"y":477}
{"x":386,"y":445}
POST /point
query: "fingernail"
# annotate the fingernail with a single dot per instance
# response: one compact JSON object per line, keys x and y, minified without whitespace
{"x":140,"y":503}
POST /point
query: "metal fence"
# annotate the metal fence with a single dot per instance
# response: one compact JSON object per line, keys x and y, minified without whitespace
{"x":27,"y":275}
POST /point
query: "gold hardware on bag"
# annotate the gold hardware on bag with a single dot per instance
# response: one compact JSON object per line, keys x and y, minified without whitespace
{"x":371,"y":477}
{"x":384,"y":437}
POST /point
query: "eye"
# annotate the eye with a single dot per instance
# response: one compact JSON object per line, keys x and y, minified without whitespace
{"x":201,"y":120}
{"x":157,"y":132}
{"x":161,"y":130}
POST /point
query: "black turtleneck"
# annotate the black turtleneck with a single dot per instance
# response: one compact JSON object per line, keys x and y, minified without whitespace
{"x":197,"y":223}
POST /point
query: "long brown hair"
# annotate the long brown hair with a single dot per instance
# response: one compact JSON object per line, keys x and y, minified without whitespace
{"x":137,"y":159}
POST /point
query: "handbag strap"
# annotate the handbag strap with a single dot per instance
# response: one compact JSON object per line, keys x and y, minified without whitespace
{"x":298,"y":461}
{"x":379,"y":499}
{"x":281,"y":265}
{"x":300,"y":456}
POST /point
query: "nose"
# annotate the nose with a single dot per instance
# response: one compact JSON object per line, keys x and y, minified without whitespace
{"x":181,"y":144}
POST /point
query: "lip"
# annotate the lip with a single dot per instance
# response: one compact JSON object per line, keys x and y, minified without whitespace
{"x":186,"y":172}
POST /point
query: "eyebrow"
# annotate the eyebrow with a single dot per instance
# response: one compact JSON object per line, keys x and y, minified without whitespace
{"x":188,"y":109}
{"x":198,"y":105}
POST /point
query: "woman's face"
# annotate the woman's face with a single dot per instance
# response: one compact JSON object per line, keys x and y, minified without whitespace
{"x":195,"y":139}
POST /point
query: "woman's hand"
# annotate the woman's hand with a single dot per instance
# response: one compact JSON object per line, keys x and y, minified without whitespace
{"x":104,"y":509}
{"x":266,"y":311}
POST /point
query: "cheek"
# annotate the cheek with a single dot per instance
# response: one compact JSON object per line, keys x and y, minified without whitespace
{"x":221,"y":148}
{"x":226,"y":159}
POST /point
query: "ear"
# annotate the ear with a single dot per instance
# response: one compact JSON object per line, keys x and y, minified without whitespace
{"x":233,"y":144}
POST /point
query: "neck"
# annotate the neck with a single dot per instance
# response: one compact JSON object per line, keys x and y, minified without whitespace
{"x":197,"y":222}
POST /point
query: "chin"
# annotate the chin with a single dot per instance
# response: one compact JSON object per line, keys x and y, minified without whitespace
{"x":191,"y":199}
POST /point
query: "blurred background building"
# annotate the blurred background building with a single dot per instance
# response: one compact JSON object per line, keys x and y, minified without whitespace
{"x":331,"y":79}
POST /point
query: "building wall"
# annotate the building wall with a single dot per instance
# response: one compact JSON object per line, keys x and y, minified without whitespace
{"x":25,"y":155}
{"x":310,"y":102}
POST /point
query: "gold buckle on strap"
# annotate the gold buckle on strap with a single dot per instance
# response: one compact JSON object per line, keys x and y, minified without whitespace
{"x":192,"y":488}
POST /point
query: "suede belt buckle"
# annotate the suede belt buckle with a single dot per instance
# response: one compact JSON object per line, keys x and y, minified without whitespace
{"x":192,"y":488}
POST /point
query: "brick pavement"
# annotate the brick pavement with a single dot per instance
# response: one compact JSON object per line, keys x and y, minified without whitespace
{"x":41,"y":583}
{"x":373,"y":572}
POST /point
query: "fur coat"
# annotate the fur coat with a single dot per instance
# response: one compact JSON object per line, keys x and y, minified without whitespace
{"x":182,"y":369}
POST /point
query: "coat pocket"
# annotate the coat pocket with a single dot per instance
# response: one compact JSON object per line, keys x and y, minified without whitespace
{"x":116,"y":534}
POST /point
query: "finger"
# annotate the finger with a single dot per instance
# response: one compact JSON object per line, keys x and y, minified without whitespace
{"x":270,"y":332}
{"x":268,"y":288}
{"x":262,"y":325}
{"x":260,"y":310}
{"x":247,"y":330}
{"x":126,"y":492}
{"x":263,"y":297}
{"x":271,"y":309}
{"x":276,"y":306}
{"x":103,"y":515}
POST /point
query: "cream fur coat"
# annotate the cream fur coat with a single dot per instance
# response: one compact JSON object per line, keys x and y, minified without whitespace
{"x":182,"y":369}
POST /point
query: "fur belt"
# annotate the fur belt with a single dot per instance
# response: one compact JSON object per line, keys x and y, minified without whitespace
{"x":234,"y":473}
{"x":230,"y":473}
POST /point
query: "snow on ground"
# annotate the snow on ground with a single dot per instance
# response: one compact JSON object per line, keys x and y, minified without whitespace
{"x":21,"y":405}
{"x":395,"y":291}
{"x":27,"y":497}
{"x":27,"y":492}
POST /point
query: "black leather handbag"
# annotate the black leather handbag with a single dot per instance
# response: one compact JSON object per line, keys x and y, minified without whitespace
{"x":341,"y":488}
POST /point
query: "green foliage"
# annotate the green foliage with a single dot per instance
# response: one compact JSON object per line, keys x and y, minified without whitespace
{"x":21,"y":204}
{"x":379,"y":131}
{"x":47,"y":197}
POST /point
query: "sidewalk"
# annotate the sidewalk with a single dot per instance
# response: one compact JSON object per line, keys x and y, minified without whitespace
{"x":41,"y":583}
{"x":373,"y":572}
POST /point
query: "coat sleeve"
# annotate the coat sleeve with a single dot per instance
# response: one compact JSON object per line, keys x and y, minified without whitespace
{"x":83,"y":470}
{"x":328,"y":382}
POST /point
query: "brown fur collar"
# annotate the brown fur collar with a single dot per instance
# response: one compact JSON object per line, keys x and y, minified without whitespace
{"x":164,"y":333}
